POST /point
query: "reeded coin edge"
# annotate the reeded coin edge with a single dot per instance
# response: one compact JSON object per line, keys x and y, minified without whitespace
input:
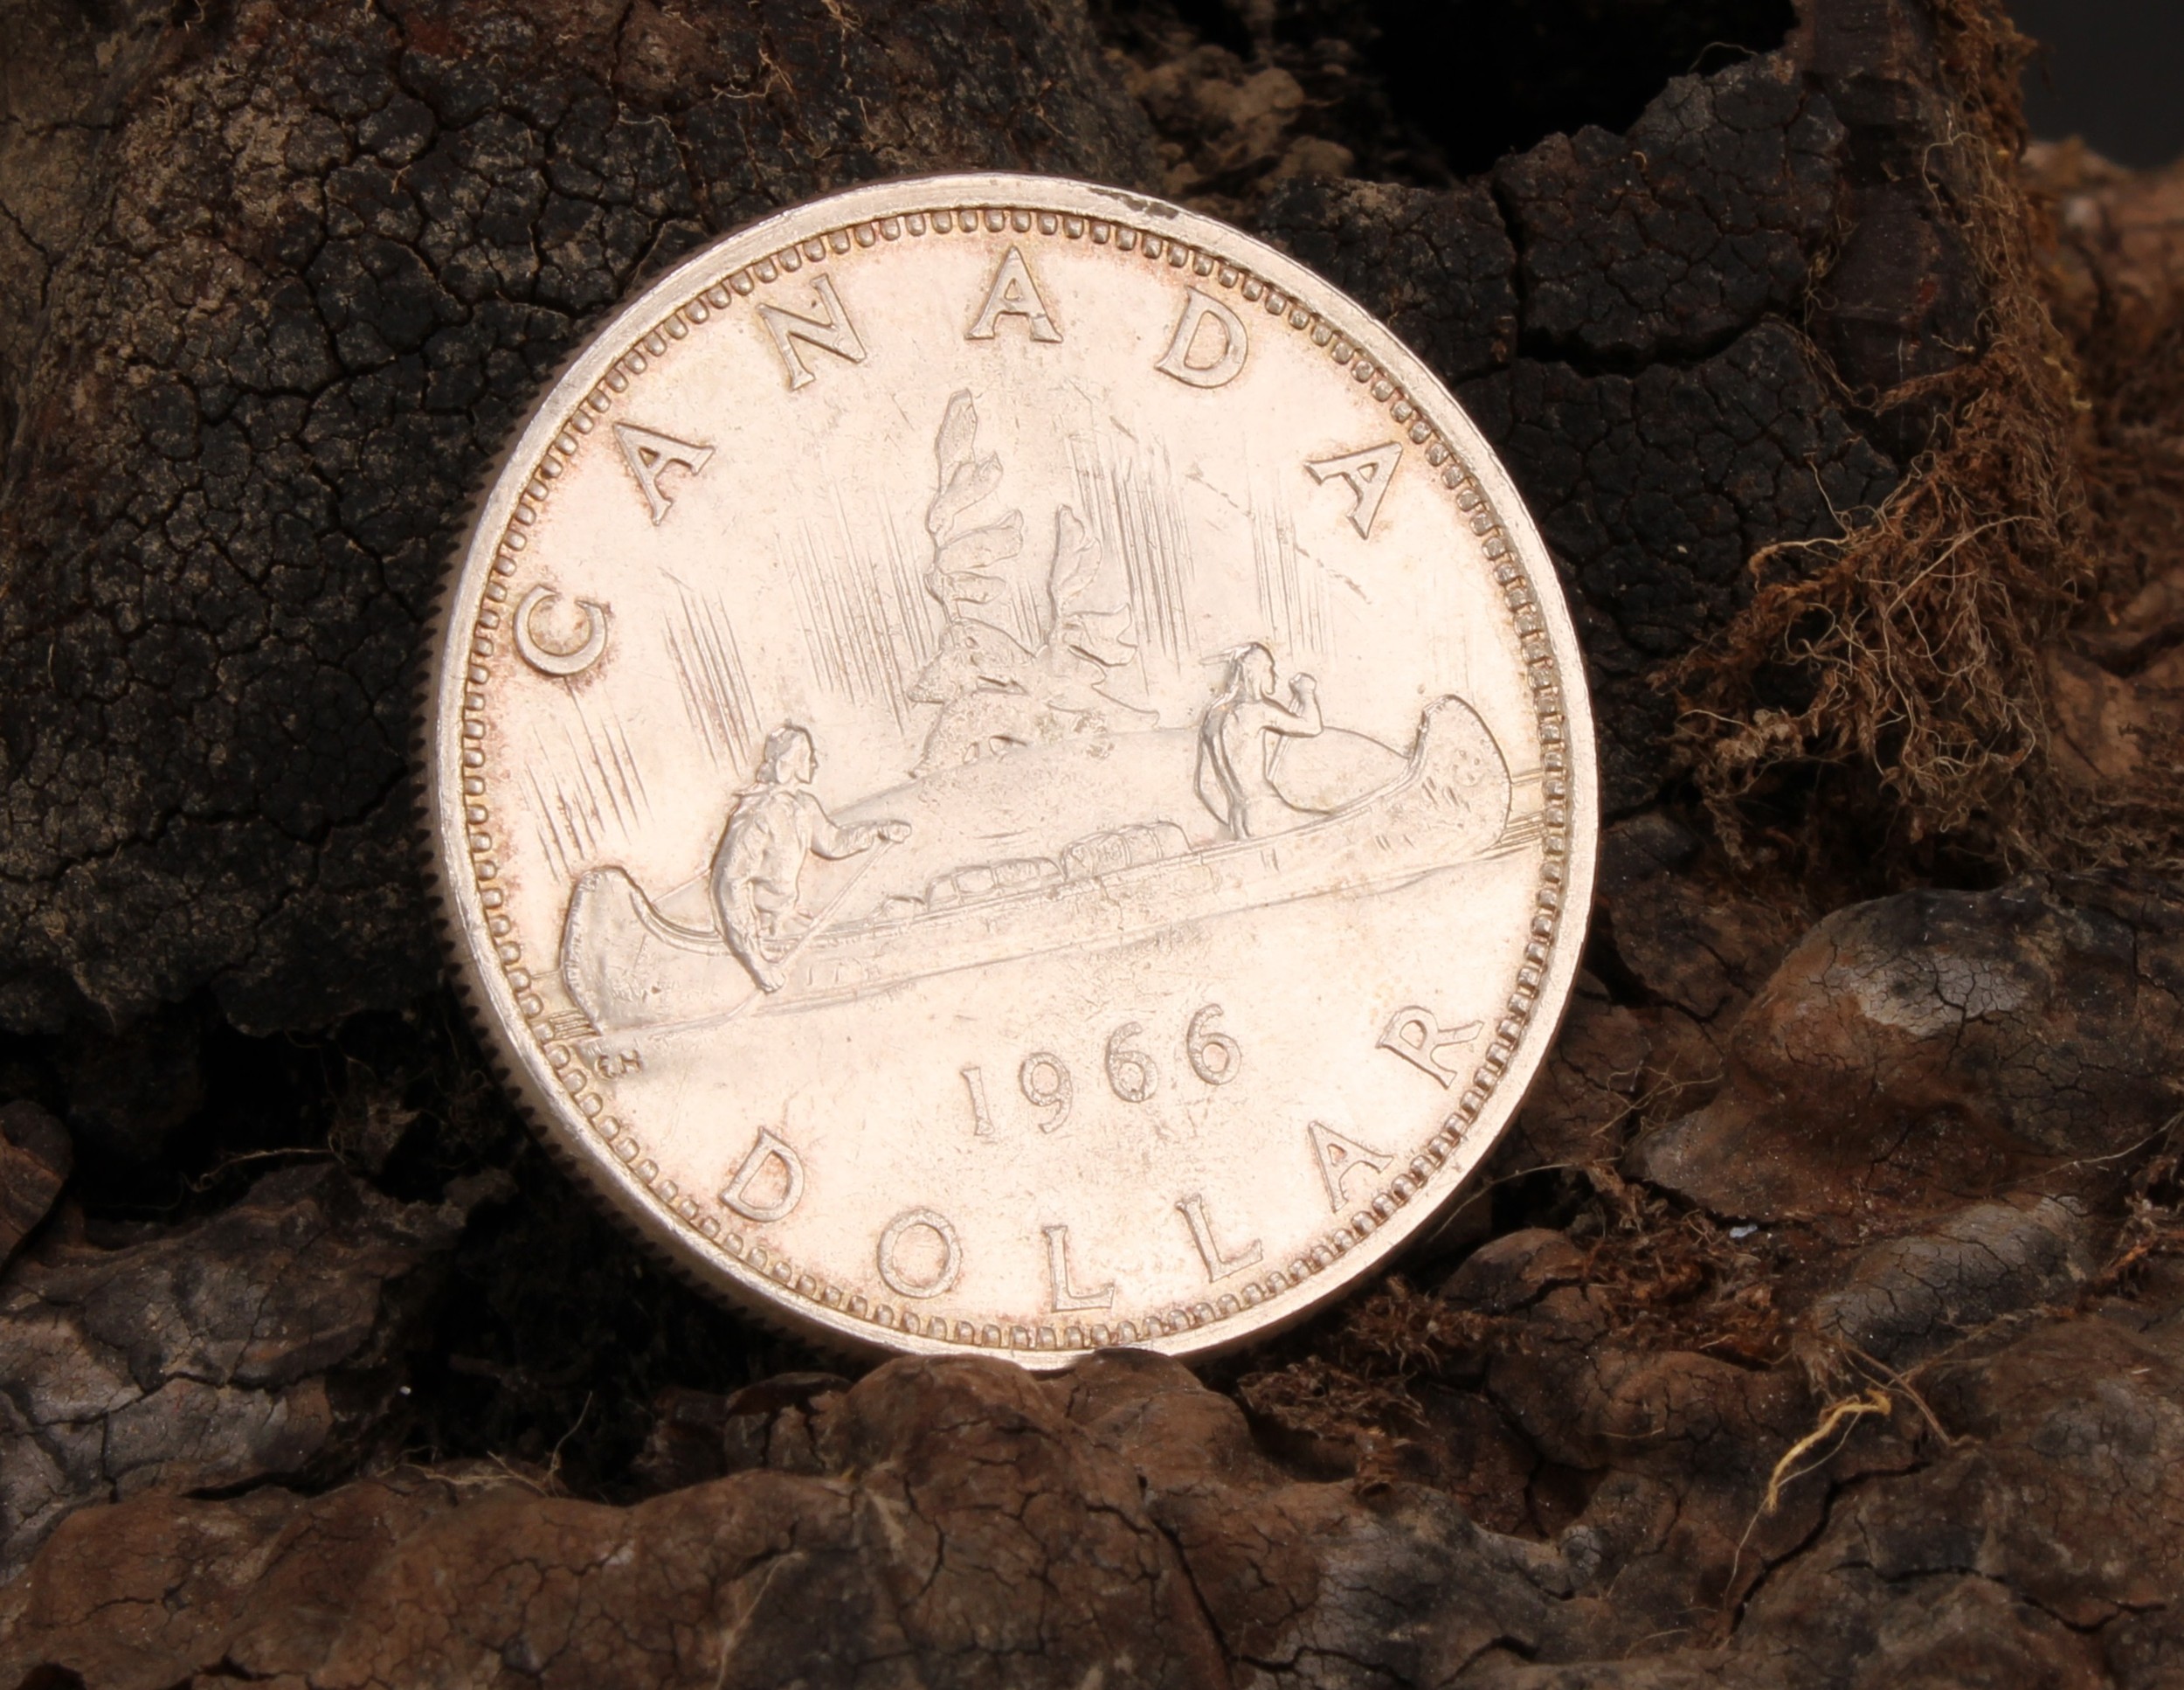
{"x":571,"y":1104}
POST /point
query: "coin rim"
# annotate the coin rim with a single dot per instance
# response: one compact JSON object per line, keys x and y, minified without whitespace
{"x":493,"y":1000}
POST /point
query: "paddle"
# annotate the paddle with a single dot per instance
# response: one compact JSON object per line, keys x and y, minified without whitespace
{"x":871,"y":860}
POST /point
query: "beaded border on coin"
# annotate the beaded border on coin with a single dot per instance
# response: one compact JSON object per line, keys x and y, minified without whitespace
{"x":473,"y":637}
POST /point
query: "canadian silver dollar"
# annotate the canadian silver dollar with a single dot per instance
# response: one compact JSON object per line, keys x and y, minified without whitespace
{"x":1010,"y":775}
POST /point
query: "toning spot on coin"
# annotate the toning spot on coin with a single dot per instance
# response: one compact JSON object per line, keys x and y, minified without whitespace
{"x":1000,"y":751}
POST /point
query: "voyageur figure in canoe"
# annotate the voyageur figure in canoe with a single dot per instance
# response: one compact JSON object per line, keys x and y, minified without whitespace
{"x":1240,"y":737}
{"x":777,"y":823}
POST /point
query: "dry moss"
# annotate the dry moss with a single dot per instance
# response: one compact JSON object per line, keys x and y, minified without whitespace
{"x":1919,"y":641}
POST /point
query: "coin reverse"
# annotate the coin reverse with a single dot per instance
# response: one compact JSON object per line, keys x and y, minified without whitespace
{"x":1011,"y":775}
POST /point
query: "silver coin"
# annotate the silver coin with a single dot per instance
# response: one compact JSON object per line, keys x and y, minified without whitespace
{"x":1011,"y":774}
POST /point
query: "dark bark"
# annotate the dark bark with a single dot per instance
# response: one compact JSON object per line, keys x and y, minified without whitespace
{"x":265,"y":330}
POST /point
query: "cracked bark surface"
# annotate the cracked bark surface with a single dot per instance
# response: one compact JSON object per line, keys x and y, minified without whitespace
{"x":268,"y":321}
{"x":2019,"y":1031}
{"x":1821,"y":1322}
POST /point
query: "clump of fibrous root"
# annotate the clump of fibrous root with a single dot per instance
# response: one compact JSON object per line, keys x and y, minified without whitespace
{"x":1921,"y":646}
